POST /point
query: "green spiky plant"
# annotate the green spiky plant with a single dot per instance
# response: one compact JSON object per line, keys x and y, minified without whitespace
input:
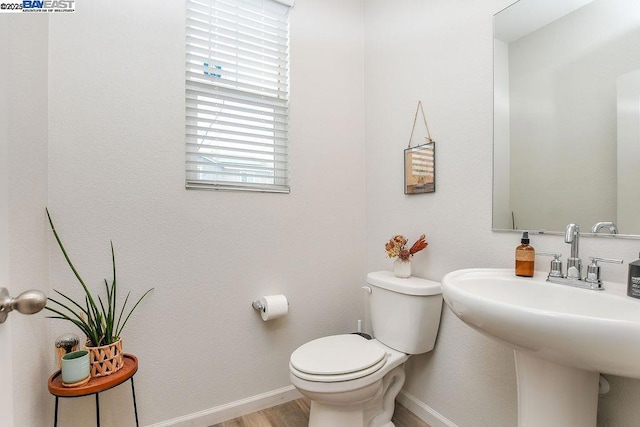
{"x":102,"y":324}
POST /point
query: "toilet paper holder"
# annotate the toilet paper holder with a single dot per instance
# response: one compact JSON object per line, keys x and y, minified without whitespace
{"x":271,"y":306}
{"x":257,"y":304}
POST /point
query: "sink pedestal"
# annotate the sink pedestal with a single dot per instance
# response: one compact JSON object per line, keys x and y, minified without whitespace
{"x":554,"y":395}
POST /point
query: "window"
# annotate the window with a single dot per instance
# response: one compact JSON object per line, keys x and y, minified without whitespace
{"x":237,"y":95}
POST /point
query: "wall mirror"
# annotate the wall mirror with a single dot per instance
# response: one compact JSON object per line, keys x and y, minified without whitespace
{"x":567,"y":115}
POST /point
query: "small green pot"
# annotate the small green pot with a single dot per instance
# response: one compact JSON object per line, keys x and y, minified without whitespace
{"x":75,"y":366}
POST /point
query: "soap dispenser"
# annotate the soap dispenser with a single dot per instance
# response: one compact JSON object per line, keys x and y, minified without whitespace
{"x":525,"y":257}
{"x":633,"y":283}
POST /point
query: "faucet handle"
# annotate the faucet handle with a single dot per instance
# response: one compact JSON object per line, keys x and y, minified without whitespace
{"x":556,"y":264}
{"x":595,"y":259}
{"x":593,"y":270}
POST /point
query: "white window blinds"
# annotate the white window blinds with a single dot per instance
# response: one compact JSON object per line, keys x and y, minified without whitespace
{"x":237,"y":109}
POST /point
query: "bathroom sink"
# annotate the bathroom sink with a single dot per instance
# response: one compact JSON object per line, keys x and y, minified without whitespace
{"x":563,"y":337}
{"x":593,"y":330}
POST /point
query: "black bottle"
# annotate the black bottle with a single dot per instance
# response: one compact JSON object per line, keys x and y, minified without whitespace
{"x":633,"y":282}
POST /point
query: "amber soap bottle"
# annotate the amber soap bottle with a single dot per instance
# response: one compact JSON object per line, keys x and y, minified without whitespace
{"x":525,"y":257}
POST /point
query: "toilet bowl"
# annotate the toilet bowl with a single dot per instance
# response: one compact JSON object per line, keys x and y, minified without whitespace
{"x":352,"y":381}
{"x":351,"y":393}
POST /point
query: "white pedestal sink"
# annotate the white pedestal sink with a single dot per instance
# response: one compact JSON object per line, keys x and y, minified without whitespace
{"x":563,"y":338}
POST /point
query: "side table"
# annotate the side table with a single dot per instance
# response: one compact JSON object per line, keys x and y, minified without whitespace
{"x":96,"y":386}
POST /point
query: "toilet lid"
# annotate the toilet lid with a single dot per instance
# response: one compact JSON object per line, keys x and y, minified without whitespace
{"x":338,"y":355}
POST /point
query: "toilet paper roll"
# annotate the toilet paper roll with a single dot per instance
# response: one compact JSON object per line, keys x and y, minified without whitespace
{"x":273,"y":306}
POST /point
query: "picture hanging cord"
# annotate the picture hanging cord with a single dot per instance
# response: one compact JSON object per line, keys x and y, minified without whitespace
{"x":425,"y":123}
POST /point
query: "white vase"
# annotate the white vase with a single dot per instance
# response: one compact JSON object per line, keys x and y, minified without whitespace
{"x":402,"y":268}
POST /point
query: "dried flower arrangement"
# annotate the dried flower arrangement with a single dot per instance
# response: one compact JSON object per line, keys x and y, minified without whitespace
{"x":396,"y":247}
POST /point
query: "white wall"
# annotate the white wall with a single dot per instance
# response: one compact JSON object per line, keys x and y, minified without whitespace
{"x":116,"y":105}
{"x":440,"y":52}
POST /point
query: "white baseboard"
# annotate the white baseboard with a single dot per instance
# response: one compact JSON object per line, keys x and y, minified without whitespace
{"x":246,"y":406}
{"x":423,"y":411}
{"x":232,"y":410}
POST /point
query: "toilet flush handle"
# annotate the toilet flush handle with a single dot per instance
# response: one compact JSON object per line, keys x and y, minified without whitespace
{"x":367,"y":289}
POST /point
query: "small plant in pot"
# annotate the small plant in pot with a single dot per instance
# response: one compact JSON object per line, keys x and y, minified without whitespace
{"x":102,"y":322}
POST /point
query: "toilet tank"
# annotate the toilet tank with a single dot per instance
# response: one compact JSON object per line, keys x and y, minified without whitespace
{"x":405,"y":313}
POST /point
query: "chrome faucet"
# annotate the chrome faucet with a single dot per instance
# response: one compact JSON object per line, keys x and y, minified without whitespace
{"x":613,"y":229}
{"x":574,"y":263}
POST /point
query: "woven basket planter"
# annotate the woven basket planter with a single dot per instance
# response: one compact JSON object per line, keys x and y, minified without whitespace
{"x":106,"y":360}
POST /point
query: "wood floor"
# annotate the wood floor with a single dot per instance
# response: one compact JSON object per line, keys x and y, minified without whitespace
{"x":296,"y":414}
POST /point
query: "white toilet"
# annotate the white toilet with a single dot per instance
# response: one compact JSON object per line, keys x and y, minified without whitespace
{"x":352,"y":381}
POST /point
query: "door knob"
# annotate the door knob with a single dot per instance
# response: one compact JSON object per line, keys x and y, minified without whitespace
{"x":28,"y":302}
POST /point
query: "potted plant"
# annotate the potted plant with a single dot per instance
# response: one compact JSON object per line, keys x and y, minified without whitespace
{"x":102,"y":322}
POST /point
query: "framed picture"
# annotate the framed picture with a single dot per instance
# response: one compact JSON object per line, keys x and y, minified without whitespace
{"x":420,"y":169}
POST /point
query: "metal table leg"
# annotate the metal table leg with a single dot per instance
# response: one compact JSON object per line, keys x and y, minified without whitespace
{"x":55,"y":417}
{"x":97,"y":410}
{"x":135,"y":407}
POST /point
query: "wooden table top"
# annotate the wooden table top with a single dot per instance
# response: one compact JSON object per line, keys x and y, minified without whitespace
{"x":95,"y":385}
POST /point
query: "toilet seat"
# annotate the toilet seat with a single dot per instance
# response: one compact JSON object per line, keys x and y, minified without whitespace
{"x":337,"y":358}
